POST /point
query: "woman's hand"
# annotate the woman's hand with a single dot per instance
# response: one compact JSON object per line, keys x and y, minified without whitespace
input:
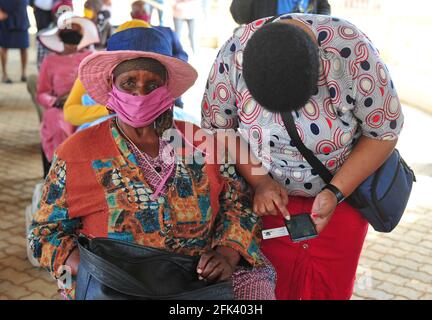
{"x":218,"y":265}
{"x":323,"y":208}
{"x":366,"y":157}
{"x":59,"y":103}
{"x":73,"y":261}
{"x":270,"y":197}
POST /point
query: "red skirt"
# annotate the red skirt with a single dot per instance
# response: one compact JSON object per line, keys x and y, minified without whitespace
{"x":323,"y":268}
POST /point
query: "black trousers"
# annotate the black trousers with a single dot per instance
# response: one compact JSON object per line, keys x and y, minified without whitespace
{"x":43,"y":18}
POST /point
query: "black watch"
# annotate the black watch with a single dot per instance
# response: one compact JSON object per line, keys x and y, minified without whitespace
{"x":339,"y":195}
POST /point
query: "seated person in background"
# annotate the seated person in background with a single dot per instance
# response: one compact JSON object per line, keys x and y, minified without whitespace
{"x":139,"y":12}
{"x":57,"y":75}
{"x":98,"y":12}
{"x":79,"y":109}
{"x":125,"y":181}
{"x":42,"y":51}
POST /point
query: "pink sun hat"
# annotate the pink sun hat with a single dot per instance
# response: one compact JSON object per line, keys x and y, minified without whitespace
{"x":95,"y":71}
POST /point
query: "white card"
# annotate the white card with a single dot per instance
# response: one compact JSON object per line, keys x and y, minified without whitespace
{"x":275,"y":233}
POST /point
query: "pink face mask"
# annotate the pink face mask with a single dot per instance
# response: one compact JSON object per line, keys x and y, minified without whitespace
{"x":140,"y":111}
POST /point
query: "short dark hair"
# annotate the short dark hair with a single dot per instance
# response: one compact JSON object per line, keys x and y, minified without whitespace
{"x":281,"y":67}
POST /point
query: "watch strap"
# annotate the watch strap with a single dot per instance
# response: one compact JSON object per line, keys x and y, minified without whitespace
{"x":339,"y":195}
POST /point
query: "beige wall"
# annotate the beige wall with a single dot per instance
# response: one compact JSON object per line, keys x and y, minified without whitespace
{"x":402,"y":31}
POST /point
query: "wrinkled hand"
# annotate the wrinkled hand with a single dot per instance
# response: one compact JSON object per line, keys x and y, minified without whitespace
{"x":270,"y":197}
{"x":323,"y":208}
{"x":73,"y":261}
{"x":217,"y":265}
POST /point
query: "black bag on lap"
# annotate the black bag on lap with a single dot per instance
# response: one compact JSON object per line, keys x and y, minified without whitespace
{"x":117,"y":270}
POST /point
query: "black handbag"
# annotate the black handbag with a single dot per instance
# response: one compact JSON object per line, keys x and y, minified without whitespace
{"x":382,"y":197}
{"x":117,"y":270}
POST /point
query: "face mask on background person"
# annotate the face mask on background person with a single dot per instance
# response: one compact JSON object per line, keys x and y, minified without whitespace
{"x":140,"y":16}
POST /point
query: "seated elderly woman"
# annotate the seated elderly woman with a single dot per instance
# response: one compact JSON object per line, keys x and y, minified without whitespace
{"x":57,"y":75}
{"x":121,"y":179}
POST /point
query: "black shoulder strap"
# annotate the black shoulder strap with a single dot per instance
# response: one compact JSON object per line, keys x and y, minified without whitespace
{"x":324,"y":173}
{"x":272,"y":19}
